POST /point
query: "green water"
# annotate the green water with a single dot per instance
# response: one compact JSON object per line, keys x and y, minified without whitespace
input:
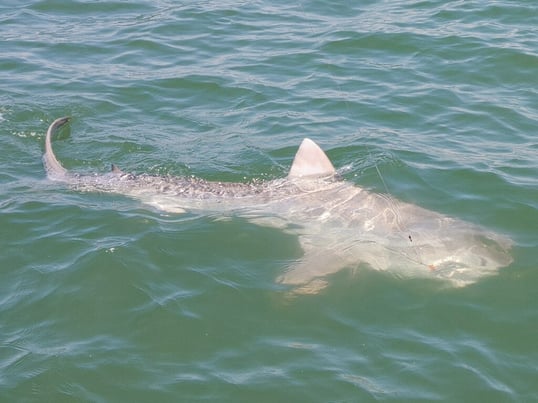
{"x":103,"y":299}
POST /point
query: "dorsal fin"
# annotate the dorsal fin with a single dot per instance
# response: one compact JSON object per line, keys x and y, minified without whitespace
{"x":115,"y":170}
{"x":310,"y":160}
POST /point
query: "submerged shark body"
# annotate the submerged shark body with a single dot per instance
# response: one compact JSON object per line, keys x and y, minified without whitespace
{"x":338,"y":224}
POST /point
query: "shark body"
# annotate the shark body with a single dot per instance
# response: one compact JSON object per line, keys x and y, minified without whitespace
{"x":338,"y":224}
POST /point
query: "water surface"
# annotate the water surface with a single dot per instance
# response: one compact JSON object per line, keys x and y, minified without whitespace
{"x":104,"y":299}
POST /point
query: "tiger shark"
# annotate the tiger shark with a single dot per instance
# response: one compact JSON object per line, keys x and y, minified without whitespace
{"x":338,"y":224}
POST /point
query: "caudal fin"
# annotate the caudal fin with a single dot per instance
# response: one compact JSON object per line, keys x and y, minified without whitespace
{"x":54,"y":169}
{"x":310,"y":160}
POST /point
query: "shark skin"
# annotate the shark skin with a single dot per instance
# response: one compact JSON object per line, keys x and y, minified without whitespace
{"x":339,"y":225}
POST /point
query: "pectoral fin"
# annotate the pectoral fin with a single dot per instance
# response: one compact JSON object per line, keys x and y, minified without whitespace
{"x":308,"y":275}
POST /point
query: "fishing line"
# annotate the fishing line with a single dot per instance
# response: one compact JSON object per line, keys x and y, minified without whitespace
{"x":393,"y":205}
{"x":392,"y":202}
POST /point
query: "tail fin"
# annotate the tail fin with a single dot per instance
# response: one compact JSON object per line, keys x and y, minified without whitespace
{"x":54,"y":169}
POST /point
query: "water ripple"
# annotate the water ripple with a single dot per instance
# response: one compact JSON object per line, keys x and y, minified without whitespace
{"x":102,"y":299}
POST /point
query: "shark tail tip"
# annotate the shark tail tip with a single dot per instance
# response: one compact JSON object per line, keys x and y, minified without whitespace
{"x":54,"y":169}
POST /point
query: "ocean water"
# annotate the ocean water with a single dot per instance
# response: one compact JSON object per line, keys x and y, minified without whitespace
{"x":104,"y":299}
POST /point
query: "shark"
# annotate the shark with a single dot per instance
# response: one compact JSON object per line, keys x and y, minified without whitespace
{"x":338,"y":223}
